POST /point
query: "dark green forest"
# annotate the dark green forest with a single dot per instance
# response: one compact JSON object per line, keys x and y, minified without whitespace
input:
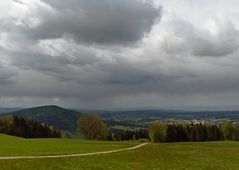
{"x":160,"y":132}
{"x":16,"y":126}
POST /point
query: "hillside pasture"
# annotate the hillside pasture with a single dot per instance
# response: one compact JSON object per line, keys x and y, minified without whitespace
{"x":187,"y":155}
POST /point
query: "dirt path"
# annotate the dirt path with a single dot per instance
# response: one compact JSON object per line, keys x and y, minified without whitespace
{"x":73,"y":155}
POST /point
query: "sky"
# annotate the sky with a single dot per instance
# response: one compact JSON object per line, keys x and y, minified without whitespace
{"x":119,"y":54}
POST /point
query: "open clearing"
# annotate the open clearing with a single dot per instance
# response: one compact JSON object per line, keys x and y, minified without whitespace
{"x":197,"y":155}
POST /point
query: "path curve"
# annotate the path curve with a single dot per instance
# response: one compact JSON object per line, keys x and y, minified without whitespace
{"x":73,"y":155}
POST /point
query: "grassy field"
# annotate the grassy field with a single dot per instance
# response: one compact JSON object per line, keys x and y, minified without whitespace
{"x":204,"y":155}
{"x":13,"y":146}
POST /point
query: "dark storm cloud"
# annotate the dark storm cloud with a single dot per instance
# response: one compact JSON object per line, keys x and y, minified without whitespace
{"x":86,"y":69}
{"x":113,"y":53}
{"x":94,"y":21}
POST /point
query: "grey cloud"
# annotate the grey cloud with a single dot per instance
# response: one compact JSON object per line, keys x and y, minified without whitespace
{"x":94,"y":21}
{"x":200,"y":42}
{"x":226,"y":42}
{"x":7,"y":75}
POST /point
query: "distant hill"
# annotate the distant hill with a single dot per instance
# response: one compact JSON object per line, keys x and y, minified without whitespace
{"x":60,"y":118}
{"x":7,"y":110}
{"x":166,"y":114}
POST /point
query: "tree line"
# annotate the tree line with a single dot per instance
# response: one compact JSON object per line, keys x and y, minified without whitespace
{"x":92,"y":127}
{"x":17,"y":126}
{"x":122,"y":135}
{"x":160,"y":132}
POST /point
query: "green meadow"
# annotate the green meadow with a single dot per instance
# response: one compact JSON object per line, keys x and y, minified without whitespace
{"x":14,"y":146}
{"x":193,"y":155}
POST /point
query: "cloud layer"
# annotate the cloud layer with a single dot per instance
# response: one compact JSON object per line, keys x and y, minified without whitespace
{"x":112,"y":54}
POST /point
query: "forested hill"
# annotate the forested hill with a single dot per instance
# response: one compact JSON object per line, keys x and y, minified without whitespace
{"x":60,"y":118}
{"x":16,"y":126}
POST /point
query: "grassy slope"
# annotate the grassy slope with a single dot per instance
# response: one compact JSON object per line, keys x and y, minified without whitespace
{"x":13,"y":146}
{"x":208,"y":155}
